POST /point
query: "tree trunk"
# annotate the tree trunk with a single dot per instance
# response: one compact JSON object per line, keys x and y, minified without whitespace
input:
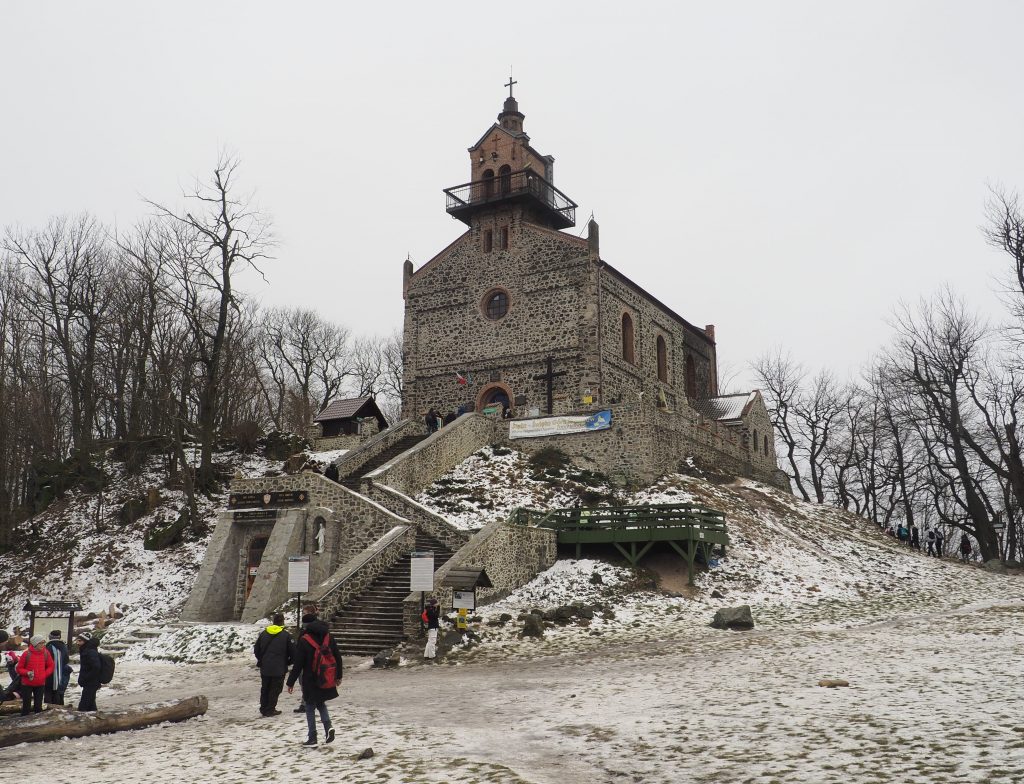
{"x":57,"y":723}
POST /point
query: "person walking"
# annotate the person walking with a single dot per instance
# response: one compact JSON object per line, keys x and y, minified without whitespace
{"x":940,"y":539}
{"x":317,"y":662}
{"x":274,"y":651}
{"x":965,"y":548}
{"x":930,"y":538}
{"x":57,"y":683}
{"x":34,"y":667}
{"x":915,"y":537}
{"x":89,"y":670}
{"x":432,"y":618}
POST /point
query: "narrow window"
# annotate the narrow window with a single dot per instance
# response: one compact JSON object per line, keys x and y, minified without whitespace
{"x":691,"y":377}
{"x":503,"y":238}
{"x":766,"y":444}
{"x":505,"y":177}
{"x":662,"y":360}
{"x":754,"y":440}
{"x":488,"y":241}
{"x":627,"y":337}
{"x":488,"y":183}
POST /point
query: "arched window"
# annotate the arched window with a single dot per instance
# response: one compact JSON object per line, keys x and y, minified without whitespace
{"x":505,"y":179}
{"x":662,"y":360}
{"x":627,"y":337}
{"x":488,"y":183}
{"x":691,"y":377}
{"x":754,"y":440}
{"x":766,"y":444}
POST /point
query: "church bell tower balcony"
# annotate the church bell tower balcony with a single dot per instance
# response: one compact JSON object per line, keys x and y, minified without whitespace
{"x":524,"y":186}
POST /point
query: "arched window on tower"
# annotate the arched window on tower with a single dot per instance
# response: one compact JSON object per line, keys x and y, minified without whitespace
{"x":691,"y":377}
{"x":627,"y":337}
{"x":505,"y":179}
{"x":662,"y":360}
{"x":754,"y":440}
{"x":488,"y":183}
{"x":766,"y":445}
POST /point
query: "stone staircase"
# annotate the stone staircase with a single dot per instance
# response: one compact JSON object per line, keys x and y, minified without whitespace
{"x":372,"y":621}
{"x":351,"y":480}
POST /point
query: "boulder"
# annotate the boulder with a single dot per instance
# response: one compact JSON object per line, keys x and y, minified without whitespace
{"x":365,"y":754}
{"x":295,"y":463}
{"x":504,"y":618}
{"x":389,"y":657}
{"x":733,"y":618}
{"x":161,"y":537}
{"x":133,"y":509}
{"x":281,"y":446}
{"x":585,"y":612}
{"x":832,"y":683}
{"x":717,"y":594}
{"x":532,"y":626}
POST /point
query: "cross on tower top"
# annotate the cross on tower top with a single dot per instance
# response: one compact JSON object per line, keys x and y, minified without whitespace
{"x":510,"y":82}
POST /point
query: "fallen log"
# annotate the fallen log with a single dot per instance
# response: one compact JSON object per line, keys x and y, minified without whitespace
{"x":56,"y":723}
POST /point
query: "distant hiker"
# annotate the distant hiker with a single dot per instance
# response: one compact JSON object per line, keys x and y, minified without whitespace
{"x":318,"y":662}
{"x":274,"y":651}
{"x":940,"y":538}
{"x":431,"y":616}
{"x":890,"y":531}
{"x":89,"y":670}
{"x":450,"y":417}
{"x":915,"y":537}
{"x":34,"y":667}
{"x":902,"y":533}
{"x":930,"y":538}
{"x":965,"y":548}
{"x":57,"y":683}
{"x":433,"y":420}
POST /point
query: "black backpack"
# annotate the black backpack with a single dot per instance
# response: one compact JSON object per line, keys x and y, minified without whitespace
{"x":106,"y":668}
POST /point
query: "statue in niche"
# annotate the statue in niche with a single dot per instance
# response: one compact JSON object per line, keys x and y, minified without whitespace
{"x":321,"y":534}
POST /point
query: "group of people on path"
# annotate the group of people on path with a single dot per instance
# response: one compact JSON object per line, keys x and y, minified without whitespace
{"x":934,"y":538}
{"x":41,"y":671}
{"x":314,"y":661}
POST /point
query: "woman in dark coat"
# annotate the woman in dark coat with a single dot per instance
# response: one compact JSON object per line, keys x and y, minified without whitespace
{"x":89,"y":671}
{"x":313,"y":696}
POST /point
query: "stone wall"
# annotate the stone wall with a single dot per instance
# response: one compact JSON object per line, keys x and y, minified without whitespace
{"x":437,"y":454}
{"x":512,"y":555}
{"x":426,"y":520}
{"x":337,"y":442}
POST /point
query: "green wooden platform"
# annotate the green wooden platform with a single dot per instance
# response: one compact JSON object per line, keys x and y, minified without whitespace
{"x":634,"y":530}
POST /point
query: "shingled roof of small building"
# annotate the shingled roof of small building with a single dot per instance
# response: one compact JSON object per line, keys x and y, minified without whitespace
{"x":725,"y":408}
{"x":346,"y":409}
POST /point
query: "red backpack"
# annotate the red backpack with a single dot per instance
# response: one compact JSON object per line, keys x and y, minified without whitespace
{"x":325,"y":667}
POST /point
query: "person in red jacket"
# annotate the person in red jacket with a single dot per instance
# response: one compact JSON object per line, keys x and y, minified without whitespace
{"x":34,"y":667}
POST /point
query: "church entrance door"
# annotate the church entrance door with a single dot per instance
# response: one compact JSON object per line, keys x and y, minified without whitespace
{"x":256,"y":547}
{"x":494,"y":399}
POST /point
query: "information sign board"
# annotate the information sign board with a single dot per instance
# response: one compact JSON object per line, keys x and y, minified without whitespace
{"x":298,"y":574}
{"x":464,"y":600}
{"x":421,"y":571}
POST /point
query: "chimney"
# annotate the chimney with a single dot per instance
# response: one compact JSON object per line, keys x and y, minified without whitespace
{"x":709,"y":330}
{"x":406,"y":275}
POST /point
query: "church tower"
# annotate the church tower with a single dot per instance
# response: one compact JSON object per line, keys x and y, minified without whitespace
{"x":505,"y":172}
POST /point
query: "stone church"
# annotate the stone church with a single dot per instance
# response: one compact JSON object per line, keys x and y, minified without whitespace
{"x":520,"y":313}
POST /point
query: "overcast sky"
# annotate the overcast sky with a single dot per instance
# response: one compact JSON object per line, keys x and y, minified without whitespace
{"x":784,"y":170}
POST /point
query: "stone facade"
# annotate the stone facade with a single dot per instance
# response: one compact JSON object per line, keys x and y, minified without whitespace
{"x":491,"y":313}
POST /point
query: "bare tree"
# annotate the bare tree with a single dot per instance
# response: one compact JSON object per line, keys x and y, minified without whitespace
{"x":779,"y":378}
{"x":220,"y":237}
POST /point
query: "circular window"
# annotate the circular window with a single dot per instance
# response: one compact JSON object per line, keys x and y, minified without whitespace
{"x":495,"y":304}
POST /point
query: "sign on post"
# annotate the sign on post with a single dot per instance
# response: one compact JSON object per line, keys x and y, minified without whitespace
{"x":464,"y":600}
{"x":421,"y":571}
{"x":298,"y":574}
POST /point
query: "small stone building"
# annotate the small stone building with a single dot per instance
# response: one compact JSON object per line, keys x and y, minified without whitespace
{"x":344,"y":424}
{"x":517,"y":311}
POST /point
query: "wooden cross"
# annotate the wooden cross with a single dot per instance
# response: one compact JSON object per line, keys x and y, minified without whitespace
{"x":550,"y":377}
{"x":510,"y":83}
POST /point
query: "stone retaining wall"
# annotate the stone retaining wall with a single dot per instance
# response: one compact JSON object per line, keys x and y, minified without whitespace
{"x":437,"y":454}
{"x":337,"y":442}
{"x":426,"y":520}
{"x":350,"y":463}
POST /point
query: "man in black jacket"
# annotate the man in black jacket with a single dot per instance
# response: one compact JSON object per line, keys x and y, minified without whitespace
{"x":314,"y":696}
{"x":274,"y":652}
{"x":89,"y":670}
{"x":57,"y":682}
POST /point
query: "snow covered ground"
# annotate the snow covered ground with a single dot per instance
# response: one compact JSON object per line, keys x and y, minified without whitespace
{"x":644,"y":691}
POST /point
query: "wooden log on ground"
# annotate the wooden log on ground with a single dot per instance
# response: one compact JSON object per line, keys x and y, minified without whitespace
{"x":56,"y":723}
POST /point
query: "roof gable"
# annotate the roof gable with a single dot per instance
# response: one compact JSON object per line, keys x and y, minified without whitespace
{"x":349,"y":408}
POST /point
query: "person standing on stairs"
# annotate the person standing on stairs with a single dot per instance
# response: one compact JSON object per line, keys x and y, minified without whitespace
{"x":432,"y":618}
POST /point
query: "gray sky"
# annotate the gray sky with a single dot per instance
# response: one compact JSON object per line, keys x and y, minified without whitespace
{"x":786,"y":171}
